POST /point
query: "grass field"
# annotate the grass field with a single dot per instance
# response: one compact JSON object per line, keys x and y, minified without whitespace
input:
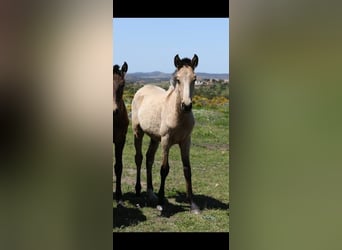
{"x":209,"y":157}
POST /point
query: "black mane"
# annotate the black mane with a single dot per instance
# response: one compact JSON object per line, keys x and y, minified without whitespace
{"x":185,"y":62}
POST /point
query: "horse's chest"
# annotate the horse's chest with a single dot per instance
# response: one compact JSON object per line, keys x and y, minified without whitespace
{"x":178,"y":129}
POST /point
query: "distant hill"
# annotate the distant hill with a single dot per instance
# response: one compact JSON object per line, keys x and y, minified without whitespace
{"x":212,"y":76}
{"x":157,"y":76}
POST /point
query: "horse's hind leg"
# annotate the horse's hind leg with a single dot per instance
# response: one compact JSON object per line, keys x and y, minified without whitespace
{"x":149,"y":162}
{"x":118,"y":169}
{"x":138,"y":137}
{"x":185,"y":151}
{"x":164,"y":171}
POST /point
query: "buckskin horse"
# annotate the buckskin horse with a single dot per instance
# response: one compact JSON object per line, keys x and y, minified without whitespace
{"x":166,"y":117}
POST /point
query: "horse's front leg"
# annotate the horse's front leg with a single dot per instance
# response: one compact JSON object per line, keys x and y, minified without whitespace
{"x":185,"y":153}
{"x":149,"y":162}
{"x":164,"y":171}
{"x":138,"y":137}
{"x":118,"y":170}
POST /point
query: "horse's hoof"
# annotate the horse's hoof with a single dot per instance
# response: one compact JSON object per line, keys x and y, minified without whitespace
{"x":159,"y":208}
{"x":120,"y":203}
{"x":137,"y":191}
{"x":195,"y":209}
{"x":151,"y":195}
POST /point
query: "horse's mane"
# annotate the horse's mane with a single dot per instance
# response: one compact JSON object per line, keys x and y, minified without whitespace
{"x":184,"y":62}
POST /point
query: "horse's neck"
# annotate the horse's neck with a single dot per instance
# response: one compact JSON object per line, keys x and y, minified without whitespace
{"x":122,"y":106}
{"x":173,"y":101}
{"x":123,"y":112}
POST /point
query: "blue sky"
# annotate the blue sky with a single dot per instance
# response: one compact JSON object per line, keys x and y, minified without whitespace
{"x":150,"y":44}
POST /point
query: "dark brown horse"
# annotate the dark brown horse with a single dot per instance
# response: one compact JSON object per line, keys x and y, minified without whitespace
{"x":166,"y":117}
{"x":120,"y":124}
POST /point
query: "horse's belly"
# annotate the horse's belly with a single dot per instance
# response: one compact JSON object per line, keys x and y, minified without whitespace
{"x":149,"y":118}
{"x":153,"y":130}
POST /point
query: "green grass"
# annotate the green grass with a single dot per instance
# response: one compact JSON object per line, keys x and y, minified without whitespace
{"x":209,"y":157}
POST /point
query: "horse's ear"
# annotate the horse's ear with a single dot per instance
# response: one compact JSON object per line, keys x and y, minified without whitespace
{"x":177,"y":61}
{"x":194,"y":61}
{"x":124,"y":68}
{"x":115,"y":68}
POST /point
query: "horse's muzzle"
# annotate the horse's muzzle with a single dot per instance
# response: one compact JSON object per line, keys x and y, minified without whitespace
{"x":186,"y":108}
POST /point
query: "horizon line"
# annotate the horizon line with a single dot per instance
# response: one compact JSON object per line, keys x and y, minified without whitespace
{"x":158,"y":71}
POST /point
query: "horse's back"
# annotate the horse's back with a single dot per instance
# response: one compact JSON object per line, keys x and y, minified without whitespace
{"x":146,"y":109}
{"x":150,"y":90}
{"x":149,"y":95}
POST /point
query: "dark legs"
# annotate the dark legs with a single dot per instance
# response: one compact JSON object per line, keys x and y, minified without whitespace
{"x":164,"y":171}
{"x":118,"y":169}
{"x":149,"y":162}
{"x":138,"y":139}
{"x":138,"y":136}
{"x":185,"y":151}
